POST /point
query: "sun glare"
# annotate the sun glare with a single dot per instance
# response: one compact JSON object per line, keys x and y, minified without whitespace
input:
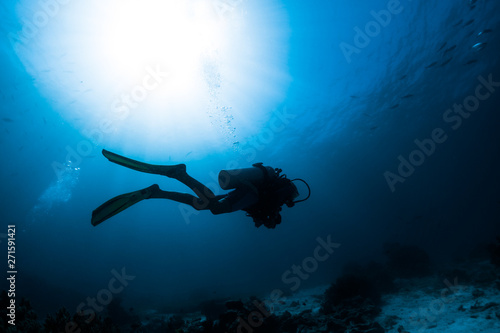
{"x":161,"y":75}
{"x":168,"y":31}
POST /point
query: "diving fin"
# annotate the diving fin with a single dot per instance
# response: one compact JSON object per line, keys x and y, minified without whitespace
{"x":120,"y":203}
{"x":165,"y":170}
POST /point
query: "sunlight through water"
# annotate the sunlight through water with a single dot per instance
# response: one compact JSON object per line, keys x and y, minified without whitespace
{"x":158,"y":77}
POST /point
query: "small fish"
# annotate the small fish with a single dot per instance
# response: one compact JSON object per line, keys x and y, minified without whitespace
{"x":471,"y":62}
{"x":446,"y":62}
{"x":366,"y":114}
{"x":188,"y":154}
{"x":7,"y":120}
{"x":431,"y":65}
{"x":468,"y":22}
{"x":403,"y":77}
{"x":451,"y":48}
{"x":407,"y":96}
{"x":394,"y":106}
{"x":236,"y":143}
{"x":354,"y":96}
{"x":458,"y":23}
{"x":485,"y":31}
{"x":373,"y":128}
{"x":442,"y":46}
{"x":479,"y":46}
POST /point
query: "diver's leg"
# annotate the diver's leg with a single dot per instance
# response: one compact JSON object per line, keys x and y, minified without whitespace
{"x":198,"y":188}
{"x":120,"y":203}
{"x":214,"y":205}
{"x":208,"y":198}
{"x":184,"y":198}
{"x":172,"y":171}
{"x":238,"y":199}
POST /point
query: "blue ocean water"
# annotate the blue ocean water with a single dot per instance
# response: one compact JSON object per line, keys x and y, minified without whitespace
{"x":388,"y":109}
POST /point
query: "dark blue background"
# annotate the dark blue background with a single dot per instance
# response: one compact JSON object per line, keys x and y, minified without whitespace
{"x":350,"y":123}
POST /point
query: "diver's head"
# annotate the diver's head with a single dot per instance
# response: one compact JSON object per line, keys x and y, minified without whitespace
{"x":292,"y":193}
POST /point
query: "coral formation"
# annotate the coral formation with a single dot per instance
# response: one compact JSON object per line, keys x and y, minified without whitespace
{"x":348,"y":287}
{"x":26,"y":318}
{"x":494,"y":250}
{"x":353,"y":303}
{"x":407,"y":261}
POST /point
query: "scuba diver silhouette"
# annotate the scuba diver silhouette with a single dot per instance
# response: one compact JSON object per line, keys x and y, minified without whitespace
{"x":260,"y":191}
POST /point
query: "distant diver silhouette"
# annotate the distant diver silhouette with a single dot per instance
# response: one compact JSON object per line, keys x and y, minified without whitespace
{"x":260,"y":191}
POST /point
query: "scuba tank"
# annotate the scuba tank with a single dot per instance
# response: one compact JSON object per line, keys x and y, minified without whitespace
{"x":247,"y":177}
